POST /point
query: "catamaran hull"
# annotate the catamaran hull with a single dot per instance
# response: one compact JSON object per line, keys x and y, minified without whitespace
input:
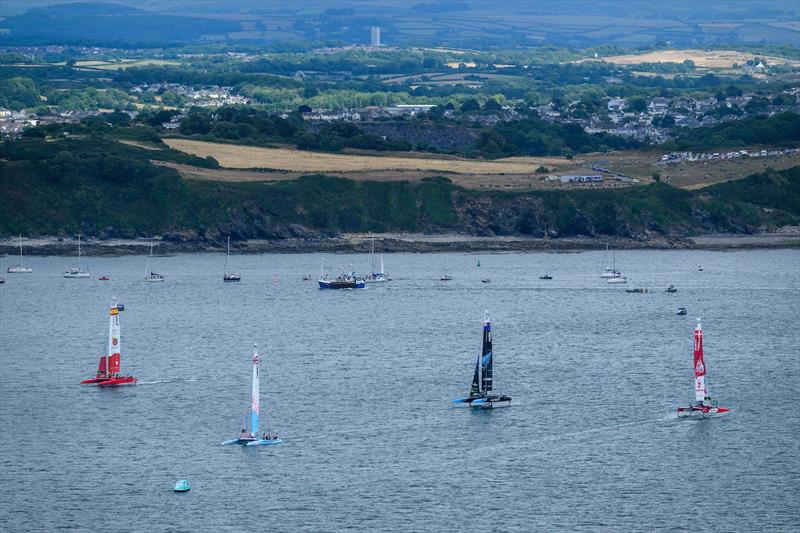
{"x":702,"y":412}
{"x":113,"y":382}
{"x":485,"y":403}
{"x":253,"y":442}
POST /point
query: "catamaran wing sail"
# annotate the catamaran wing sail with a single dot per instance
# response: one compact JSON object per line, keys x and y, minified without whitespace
{"x":700,"y":391}
{"x":254,"y":407}
{"x":486,"y":355}
{"x":102,"y":370}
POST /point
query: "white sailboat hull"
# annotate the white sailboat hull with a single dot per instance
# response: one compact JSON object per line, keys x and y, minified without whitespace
{"x":19,"y":270}
{"x":76,"y":275}
{"x":153,"y":280}
{"x":617,"y":280}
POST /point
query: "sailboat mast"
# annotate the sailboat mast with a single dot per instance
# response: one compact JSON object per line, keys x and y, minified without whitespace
{"x":227,"y":257}
{"x":700,"y":391}
{"x":254,"y":407}
{"x":20,"y":248}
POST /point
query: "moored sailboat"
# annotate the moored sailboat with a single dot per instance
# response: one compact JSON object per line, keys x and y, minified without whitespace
{"x":152,"y":276}
{"x":19,"y":268}
{"x":77,"y":272}
{"x":480,"y":392}
{"x":703,"y":406}
{"x":609,"y":272}
{"x":108,"y":371}
{"x":251,"y":437}
{"x":378,"y":276}
{"x":229,"y":276}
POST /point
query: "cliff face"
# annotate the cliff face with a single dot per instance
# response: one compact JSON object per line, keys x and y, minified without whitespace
{"x":90,"y":189}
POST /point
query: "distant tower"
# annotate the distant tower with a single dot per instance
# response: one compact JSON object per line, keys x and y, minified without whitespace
{"x":375,"y":36}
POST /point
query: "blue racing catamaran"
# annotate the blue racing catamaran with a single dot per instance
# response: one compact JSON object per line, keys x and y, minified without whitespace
{"x":480,"y":393}
{"x":252,"y":438}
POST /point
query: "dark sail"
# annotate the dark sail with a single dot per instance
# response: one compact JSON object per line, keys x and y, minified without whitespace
{"x":486,"y":356}
{"x":474,"y":390}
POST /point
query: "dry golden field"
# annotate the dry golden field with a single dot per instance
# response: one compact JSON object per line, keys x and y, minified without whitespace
{"x":237,"y":156}
{"x":701,"y":58}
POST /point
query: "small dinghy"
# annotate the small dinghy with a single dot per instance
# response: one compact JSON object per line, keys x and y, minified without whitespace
{"x":182,"y":486}
{"x":681,"y":311}
{"x":446,"y":277}
{"x":252,"y":438}
{"x":671,"y":288}
{"x":546,"y":277}
{"x":486,"y":280}
{"x":480,"y":393}
{"x":108,"y":371}
{"x":704,"y":406}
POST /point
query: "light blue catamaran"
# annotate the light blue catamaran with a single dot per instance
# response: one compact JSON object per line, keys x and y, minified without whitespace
{"x":252,"y":438}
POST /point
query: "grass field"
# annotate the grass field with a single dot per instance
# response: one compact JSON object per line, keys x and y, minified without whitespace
{"x":237,"y":156}
{"x":701,"y":58}
{"x":122,"y":63}
{"x":250,"y":163}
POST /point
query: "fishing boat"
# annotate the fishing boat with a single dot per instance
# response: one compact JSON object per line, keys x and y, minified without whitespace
{"x":638,"y":290}
{"x":546,"y":277}
{"x":103,"y":278}
{"x":480,"y":393}
{"x":108,"y":372}
{"x":609,"y":272}
{"x":681,"y":311}
{"x":152,"y":277}
{"x":229,"y":276}
{"x":182,"y":485}
{"x":19,"y":268}
{"x":703,"y":406}
{"x":343,"y":281}
{"x":77,"y":272}
{"x":252,"y":437}
{"x":671,"y":289}
{"x":378,"y":276}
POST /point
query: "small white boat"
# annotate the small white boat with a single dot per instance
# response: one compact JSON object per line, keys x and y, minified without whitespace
{"x":19,"y":268}
{"x":152,"y":277}
{"x":375,"y":276}
{"x":77,"y":272}
{"x":608,"y":272}
{"x":229,"y":276}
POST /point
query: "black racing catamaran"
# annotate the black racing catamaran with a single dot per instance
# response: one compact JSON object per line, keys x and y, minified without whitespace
{"x":480,"y":393}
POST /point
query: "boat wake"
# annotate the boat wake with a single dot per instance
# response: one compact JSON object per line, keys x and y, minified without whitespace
{"x":159,"y":381}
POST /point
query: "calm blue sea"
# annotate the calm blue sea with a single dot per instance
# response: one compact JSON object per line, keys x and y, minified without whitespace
{"x":358,"y":384}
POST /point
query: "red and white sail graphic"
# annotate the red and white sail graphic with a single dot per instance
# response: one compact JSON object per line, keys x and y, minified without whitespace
{"x":700,"y":391}
{"x":114,"y":342}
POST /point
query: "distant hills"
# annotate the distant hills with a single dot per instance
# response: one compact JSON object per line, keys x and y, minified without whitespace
{"x":99,"y":24}
{"x":466,"y":24}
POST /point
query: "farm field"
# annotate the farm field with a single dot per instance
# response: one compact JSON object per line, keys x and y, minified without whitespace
{"x":251,"y":163}
{"x":701,"y":58}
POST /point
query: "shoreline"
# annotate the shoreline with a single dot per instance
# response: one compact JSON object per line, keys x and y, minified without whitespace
{"x":398,"y":242}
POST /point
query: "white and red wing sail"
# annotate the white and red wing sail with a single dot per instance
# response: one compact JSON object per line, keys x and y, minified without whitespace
{"x":700,"y":391}
{"x":102,"y":370}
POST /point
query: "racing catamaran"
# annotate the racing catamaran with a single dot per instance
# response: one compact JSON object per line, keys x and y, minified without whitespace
{"x":703,"y":405}
{"x":108,"y":372}
{"x":252,"y":438}
{"x":480,"y":393}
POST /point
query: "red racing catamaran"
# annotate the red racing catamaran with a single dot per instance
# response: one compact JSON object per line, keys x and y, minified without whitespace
{"x":703,"y":405}
{"x":108,"y":372}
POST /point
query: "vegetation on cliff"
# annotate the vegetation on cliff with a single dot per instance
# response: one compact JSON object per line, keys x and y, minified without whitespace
{"x":99,"y":186}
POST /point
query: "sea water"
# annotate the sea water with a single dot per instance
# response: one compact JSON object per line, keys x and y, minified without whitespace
{"x":358,"y":385}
